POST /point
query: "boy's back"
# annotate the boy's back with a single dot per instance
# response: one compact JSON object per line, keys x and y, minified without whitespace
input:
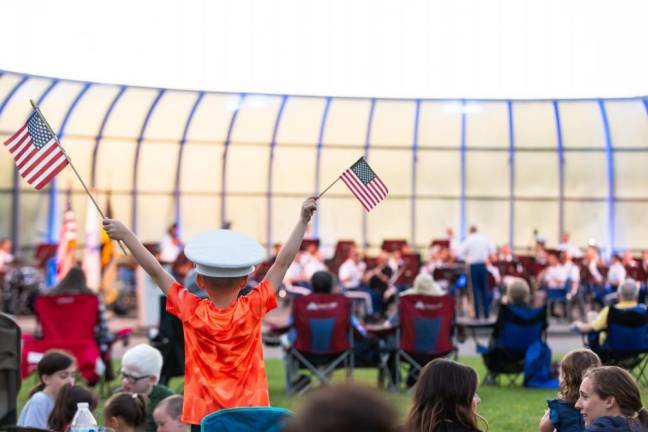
{"x":224,"y":365}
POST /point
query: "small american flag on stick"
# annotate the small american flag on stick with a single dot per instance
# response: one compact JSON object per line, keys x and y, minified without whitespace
{"x":365,"y":184}
{"x":36,"y":152}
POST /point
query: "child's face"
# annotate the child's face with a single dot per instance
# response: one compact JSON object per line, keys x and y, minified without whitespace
{"x":134,"y":381}
{"x":165,"y":423}
{"x":54,"y":382}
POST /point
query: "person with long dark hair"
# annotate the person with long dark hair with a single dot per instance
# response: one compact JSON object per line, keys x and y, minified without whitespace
{"x":55,"y":370}
{"x":610,"y":401}
{"x":66,"y":406}
{"x":445,"y":399}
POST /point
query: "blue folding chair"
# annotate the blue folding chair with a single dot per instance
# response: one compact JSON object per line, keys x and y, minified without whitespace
{"x":257,"y":419}
{"x":516,"y":329}
{"x":626,"y":344}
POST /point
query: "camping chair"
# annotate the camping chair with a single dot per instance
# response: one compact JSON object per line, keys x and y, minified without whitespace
{"x":515,"y":330}
{"x":257,"y":419}
{"x":67,"y":322}
{"x":324,"y":339}
{"x":9,"y":369}
{"x":425,"y":330}
{"x":626,"y":344}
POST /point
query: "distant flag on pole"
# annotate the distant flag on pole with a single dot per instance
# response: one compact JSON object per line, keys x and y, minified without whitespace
{"x":92,"y":249}
{"x":66,"y":252}
{"x":36,"y":152}
{"x":365,"y":184}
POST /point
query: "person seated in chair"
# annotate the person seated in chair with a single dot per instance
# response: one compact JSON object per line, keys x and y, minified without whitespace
{"x":140,"y":372}
{"x":628,"y":295}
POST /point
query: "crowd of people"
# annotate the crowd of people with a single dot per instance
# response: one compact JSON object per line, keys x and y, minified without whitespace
{"x":224,"y":365}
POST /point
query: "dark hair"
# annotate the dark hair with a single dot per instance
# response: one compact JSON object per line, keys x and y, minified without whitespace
{"x":572,"y":368}
{"x":128,"y":407}
{"x":172,"y":405}
{"x":617,"y":382}
{"x":444,"y":393}
{"x":344,"y":408}
{"x":66,"y":405}
{"x":322,"y":282}
{"x":53,"y":361}
{"x":74,"y":282}
{"x":221,"y":283}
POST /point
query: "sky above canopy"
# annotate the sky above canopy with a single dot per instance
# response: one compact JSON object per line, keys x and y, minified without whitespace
{"x":382,"y":48}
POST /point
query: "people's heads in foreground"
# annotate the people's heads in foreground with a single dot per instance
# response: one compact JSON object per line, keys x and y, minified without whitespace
{"x":518,"y":292}
{"x":66,"y":405}
{"x":446,"y":392}
{"x":610,"y":395}
{"x":344,"y":408}
{"x":141,"y":368}
{"x":55,"y":369}
{"x":323,"y":282}
{"x":572,"y":367}
{"x":628,"y":291}
{"x":167,"y":415}
{"x":126,"y":412}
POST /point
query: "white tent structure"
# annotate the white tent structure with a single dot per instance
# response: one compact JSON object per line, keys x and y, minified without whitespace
{"x":206,"y":158}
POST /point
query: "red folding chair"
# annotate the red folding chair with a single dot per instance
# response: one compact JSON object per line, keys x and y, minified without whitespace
{"x":425,"y":332}
{"x":324,"y":339}
{"x":67,"y":322}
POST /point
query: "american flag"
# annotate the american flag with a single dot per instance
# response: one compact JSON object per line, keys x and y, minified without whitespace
{"x":36,"y":152}
{"x":66,"y":252}
{"x":365,"y":184}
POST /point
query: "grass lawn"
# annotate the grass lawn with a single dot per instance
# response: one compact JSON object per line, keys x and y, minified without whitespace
{"x":505,"y":408}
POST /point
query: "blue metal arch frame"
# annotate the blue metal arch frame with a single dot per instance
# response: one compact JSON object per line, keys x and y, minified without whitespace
{"x":561,"y":170}
{"x":462,"y":170}
{"x":15,"y":194}
{"x":52,"y":228}
{"x":226,"y":144}
{"x":183,"y":140}
{"x":273,"y":144}
{"x":99,"y":137}
{"x":609,"y":153}
{"x":140,"y":138}
{"x":367,"y":146}
{"x":415,"y":139}
{"x":645,"y":101}
{"x":511,"y":161}
{"x":318,"y":161}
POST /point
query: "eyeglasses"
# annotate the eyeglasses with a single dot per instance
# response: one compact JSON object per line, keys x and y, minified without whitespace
{"x":132,"y":378}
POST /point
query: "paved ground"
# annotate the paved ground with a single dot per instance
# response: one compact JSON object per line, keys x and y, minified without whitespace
{"x":559,"y":338}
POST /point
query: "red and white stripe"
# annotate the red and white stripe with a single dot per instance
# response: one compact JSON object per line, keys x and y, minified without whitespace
{"x":37,"y":167}
{"x":369,"y":195}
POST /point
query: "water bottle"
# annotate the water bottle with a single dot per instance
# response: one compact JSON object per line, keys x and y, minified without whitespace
{"x":83,"y":420}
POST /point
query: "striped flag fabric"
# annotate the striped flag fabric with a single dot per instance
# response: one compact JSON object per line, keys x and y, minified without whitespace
{"x":36,"y":152}
{"x":365,"y":185}
{"x":66,"y":252}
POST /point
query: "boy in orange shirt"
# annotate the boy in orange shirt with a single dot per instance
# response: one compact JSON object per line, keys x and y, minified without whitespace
{"x":224,"y":365}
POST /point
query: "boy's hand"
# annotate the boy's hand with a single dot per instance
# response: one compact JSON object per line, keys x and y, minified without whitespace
{"x":308,"y":208}
{"x":115,"y":229}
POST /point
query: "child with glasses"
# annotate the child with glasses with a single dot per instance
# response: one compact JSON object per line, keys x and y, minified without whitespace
{"x":140,"y":372}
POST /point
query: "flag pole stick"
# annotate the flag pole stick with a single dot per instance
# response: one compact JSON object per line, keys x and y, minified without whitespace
{"x":329,"y":187}
{"x":72,"y":165}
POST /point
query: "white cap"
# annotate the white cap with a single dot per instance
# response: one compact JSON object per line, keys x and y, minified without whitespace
{"x":224,"y":253}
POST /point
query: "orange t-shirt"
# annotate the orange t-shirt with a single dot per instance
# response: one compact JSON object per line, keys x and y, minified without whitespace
{"x":224,"y":365}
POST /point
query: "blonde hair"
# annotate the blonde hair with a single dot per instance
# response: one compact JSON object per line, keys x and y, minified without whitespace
{"x":572,"y":367}
{"x":518,"y":291}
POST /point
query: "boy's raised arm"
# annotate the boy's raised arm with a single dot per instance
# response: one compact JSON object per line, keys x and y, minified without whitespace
{"x":287,"y":253}
{"x":118,"y":231}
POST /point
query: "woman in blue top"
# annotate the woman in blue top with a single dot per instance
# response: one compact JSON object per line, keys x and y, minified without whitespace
{"x":610,"y":401}
{"x":561,"y":415}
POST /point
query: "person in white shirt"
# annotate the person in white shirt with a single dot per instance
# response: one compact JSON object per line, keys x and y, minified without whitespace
{"x":311,"y":262}
{"x":6,"y":257}
{"x":566,"y":246}
{"x":475,"y":250}
{"x":616,"y":273}
{"x":575,"y":293}
{"x":170,"y":246}
{"x":350,"y":276}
